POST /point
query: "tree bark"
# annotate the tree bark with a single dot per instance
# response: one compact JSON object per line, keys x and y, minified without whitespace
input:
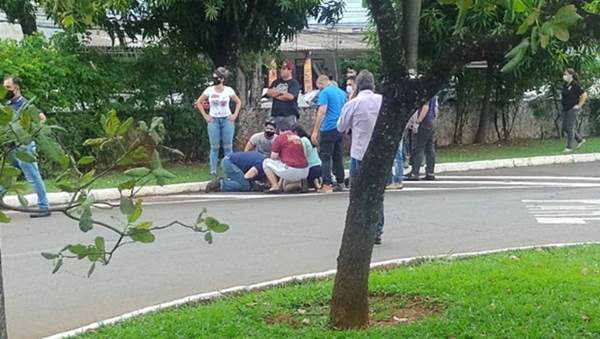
{"x":28,"y":24}
{"x":481,"y":136}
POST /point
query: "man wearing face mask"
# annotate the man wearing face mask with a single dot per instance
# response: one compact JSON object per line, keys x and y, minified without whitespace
{"x":573,"y":99}
{"x":351,"y":87}
{"x":262,"y":141}
{"x":30,"y":170}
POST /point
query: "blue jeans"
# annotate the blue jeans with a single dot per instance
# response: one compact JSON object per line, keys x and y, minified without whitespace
{"x":399,"y":164}
{"x":220,"y":133}
{"x":233,"y":178}
{"x":32,"y":174}
{"x":354,"y":165}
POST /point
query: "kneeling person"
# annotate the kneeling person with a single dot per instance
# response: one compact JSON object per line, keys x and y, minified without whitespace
{"x":235,"y":167}
{"x":288,"y":161}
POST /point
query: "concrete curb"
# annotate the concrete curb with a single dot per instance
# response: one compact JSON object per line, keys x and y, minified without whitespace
{"x":113,"y":193}
{"x":233,"y":291}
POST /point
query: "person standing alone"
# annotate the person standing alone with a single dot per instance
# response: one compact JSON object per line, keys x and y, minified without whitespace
{"x":285,"y":91}
{"x":573,"y":99}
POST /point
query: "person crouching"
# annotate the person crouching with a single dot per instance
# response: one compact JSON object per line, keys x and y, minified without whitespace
{"x":288,"y":161}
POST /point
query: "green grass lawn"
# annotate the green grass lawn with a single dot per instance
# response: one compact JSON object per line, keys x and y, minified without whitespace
{"x":457,"y":153}
{"x":523,"y":294}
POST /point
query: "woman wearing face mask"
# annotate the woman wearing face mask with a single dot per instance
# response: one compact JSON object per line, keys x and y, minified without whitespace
{"x":220,"y":120}
{"x":573,"y":98}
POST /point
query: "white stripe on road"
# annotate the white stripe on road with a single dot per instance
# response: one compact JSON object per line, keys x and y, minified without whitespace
{"x":508,"y":177}
{"x":576,"y":201}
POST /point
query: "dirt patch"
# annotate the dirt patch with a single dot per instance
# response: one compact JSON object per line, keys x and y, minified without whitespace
{"x":384,"y":310}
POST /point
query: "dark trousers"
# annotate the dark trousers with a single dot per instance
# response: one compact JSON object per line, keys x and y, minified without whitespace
{"x":569,"y":127}
{"x":331,"y":152}
{"x":422,"y":145}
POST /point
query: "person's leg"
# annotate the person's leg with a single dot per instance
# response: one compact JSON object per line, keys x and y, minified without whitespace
{"x":32,"y":174}
{"x":227,"y":133}
{"x":269,"y":166}
{"x":399,"y":164}
{"x":338,"y":158}
{"x":326,"y":147}
{"x":430,"y":154}
{"x":214,"y":138}
{"x":233,"y":178}
{"x":578,"y":138}
{"x":419,"y":141}
{"x":571,"y":122}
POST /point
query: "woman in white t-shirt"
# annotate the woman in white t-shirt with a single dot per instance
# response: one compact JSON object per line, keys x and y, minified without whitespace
{"x":220,"y":120}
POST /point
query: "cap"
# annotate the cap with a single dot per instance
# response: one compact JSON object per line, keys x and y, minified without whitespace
{"x":287,"y":65}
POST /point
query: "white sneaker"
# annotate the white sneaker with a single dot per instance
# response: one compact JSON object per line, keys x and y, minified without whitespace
{"x":567,"y":150}
{"x":580,"y":144}
{"x":395,"y":186}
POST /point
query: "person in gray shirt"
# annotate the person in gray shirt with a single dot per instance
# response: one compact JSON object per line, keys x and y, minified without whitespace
{"x":261,"y":142}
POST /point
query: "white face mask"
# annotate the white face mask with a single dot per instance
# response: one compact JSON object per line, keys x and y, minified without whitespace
{"x":567,"y":77}
{"x":349,"y":89}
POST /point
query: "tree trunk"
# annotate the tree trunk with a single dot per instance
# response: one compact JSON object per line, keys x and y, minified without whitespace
{"x":3,"y":329}
{"x":28,"y":24}
{"x":481,"y":136}
{"x":411,"y":12}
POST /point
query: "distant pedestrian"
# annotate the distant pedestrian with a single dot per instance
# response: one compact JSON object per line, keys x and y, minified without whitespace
{"x":325,"y":133}
{"x":30,"y":170}
{"x":235,"y":168}
{"x":360,"y":115}
{"x":287,"y":162}
{"x":263,"y":141}
{"x":351,"y":87}
{"x":423,"y":138}
{"x":220,"y":120}
{"x":573,"y":99}
{"x":285,"y":91}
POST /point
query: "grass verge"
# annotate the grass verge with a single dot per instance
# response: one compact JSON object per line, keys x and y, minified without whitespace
{"x":523,"y":294}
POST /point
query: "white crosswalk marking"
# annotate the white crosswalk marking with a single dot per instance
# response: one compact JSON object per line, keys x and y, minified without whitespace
{"x":574,"y":212}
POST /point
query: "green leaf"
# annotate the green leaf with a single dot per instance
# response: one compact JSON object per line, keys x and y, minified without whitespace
{"x":65,"y":162}
{"x":79,"y":250}
{"x":111,"y":123}
{"x":126,"y":206}
{"x":137,"y":212}
{"x":200,"y":218}
{"x":68,"y":21}
{"x":51,"y":149}
{"x":87,"y":178}
{"x":519,"y":6}
{"x":25,"y":156}
{"x":124,"y":128}
{"x":561,"y":33}
{"x":163,"y":173}
{"x":523,"y":28}
{"x":91,"y":270}
{"x":137,"y":172}
{"x":145,"y":224}
{"x":6,"y":114}
{"x":544,"y":40}
{"x":86,"y":223}
{"x":208,"y":237}
{"x":215,"y":226}
{"x":5,"y":219}
{"x":141,"y":235}
{"x":49,"y":256}
{"x":57,"y":265}
{"x":22,"y":200}
{"x":156,"y":161}
{"x":567,"y":15}
{"x":127,"y":185}
{"x":94,"y":142}
{"x":86,"y":160}
{"x":99,"y":241}
{"x":10,"y":171}
{"x":66,"y":185}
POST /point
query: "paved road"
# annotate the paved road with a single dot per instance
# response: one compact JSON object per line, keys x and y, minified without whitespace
{"x":276,"y":236}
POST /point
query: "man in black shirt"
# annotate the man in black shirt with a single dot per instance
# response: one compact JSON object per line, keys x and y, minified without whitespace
{"x":284,"y":92}
{"x":573,"y":98}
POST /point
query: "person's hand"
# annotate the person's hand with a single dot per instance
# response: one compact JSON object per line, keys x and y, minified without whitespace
{"x":315,"y":138}
{"x":208,"y":119}
{"x":576,"y":107}
{"x":233,"y":117}
{"x":415,"y":128}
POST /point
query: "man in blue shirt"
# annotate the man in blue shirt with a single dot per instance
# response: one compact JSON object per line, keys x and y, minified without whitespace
{"x":239,"y":169}
{"x":326,"y":135}
{"x":30,"y":170}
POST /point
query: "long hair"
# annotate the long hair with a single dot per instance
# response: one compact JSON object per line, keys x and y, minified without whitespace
{"x":573,"y":74}
{"x":300,"y":131}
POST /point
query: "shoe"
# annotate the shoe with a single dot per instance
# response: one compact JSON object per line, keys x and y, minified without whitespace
{"x":395,"y":186}
{"x":43,"y":214}
{"x":412,"y":177}
{"x":347,"y":182}
{"x":258,"y":186}
{"x":213,"y":186}
{"x":580,"y":144}
{"x":338,"y":188}
{"x":303,"y":186}
{"x":429,"y":177}
{"x":317,"y":184}
{"x":567,"y":150}
{"x":326,"y":189}
{"x":377,"y":240}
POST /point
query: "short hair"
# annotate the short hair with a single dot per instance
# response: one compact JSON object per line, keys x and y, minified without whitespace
{"x":323,"y":79}
{"x":352,"y":77}
{"x":16,"y":80}
{"x":270,"y":122}
{"x":365,"y":80}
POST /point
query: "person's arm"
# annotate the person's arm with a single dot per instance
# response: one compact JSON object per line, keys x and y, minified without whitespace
{"x":292,"y":93}
{"x":238,"y":106}
{"x":249,"y":146}
{"x":344,"y":123}
{"x":274,"y":93}
{"x":423,"y":113}
{"x":320,"y":115}
{"x":582,"y":100}
{"x":199,"y":102}
{"x":274,"y":156}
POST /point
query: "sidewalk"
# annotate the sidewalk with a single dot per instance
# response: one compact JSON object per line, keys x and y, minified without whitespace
{"x":194,"y":187}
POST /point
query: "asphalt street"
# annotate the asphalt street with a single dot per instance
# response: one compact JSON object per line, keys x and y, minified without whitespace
{"x":276,"y":236}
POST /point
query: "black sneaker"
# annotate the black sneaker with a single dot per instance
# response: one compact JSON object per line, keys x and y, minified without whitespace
{"x":412,"y":177}
{"x":377,"y":240}
{"x":213,"y":186}
{"x":304,"y":186}
{"x":43,"y":214}
{"x":258,"y":186}
{"x":429,"y":177}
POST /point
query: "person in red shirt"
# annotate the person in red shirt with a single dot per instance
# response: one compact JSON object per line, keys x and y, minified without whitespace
{"x":288,"y":161}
